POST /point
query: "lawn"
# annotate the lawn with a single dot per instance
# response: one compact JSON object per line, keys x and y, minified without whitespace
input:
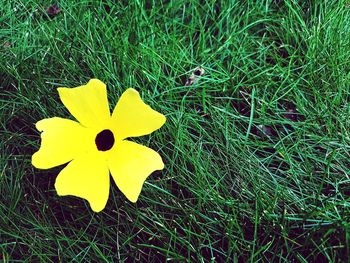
{"x":256,"y":149}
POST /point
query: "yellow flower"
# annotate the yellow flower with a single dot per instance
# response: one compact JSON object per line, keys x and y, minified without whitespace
{"x":97,"y":144}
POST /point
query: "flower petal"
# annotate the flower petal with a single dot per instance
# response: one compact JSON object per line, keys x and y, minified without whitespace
{"x":130,"y":164}
{"x":87,"y":103}
{"x":61,"y":141}
{"x":86,"y":177}
{"x":132,"y":117}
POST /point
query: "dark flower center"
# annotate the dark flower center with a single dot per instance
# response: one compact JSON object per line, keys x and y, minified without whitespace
{"x":104,"y":140}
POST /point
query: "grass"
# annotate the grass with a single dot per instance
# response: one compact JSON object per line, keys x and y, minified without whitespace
{"x":256,"y":151}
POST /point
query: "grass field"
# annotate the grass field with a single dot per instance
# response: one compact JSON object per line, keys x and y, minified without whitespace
{"x":256,"y":151}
